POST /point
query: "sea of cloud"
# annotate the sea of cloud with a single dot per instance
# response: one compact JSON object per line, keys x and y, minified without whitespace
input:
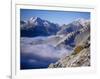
{"x":39,"y":55}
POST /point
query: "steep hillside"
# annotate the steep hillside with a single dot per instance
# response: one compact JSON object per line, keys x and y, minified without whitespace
{"x":80,"y":55}
{"x":75,"y":60}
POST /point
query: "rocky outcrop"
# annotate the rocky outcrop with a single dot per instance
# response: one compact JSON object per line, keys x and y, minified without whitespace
{"x":74,"y":60}
{"x":78,"y":58}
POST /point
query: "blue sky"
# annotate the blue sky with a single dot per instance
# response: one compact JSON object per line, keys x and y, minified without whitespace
{"x":60,"y":17}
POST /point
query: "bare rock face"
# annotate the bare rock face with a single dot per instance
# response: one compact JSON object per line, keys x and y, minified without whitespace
{"x":79,"y":57}
{"x":74,"y":60}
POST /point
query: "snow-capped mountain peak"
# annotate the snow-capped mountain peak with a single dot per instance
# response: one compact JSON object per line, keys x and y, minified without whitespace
{"x":34,"y":21}
{"x":74,"y":26}
{"x":36,"y":26}
{"x":80,"y":21}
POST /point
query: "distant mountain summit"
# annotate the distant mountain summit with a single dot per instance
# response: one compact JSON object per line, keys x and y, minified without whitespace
{"x":35,"y":21}
{"x":74,"y":26}
{"x":36,"y":26}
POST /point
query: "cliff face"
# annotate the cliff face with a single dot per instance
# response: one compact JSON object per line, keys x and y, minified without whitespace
{"x":78,"y":58}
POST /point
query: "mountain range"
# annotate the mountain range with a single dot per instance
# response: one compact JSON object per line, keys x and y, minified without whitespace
{"x":45,"y":44}
{"x":36,"y":26}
